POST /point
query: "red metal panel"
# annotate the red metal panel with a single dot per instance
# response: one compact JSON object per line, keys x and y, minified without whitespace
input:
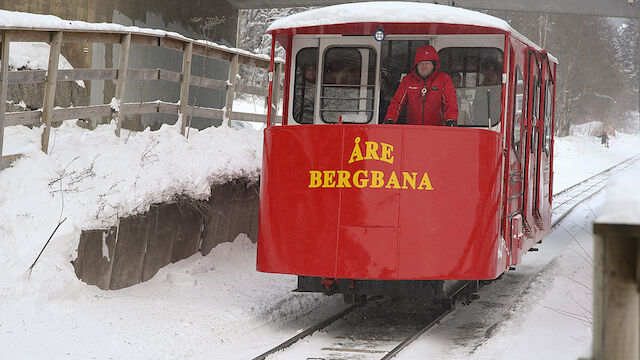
{"x":367,"y":253}
{"x":425,"y":205}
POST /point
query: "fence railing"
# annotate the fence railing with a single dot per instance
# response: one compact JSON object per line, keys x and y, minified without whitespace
{"x":117,"y":109}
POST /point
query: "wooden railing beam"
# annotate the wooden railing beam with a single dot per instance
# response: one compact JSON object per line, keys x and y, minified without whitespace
{"x":231,"y":86}
{"x":121,"y":85}
{"x":50,"y":87}
{"x":4,"y":72}
{"x":184,"y":86}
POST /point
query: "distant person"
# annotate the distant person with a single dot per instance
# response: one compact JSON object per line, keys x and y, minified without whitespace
{"x":604,"y":139}
{"x":427,"y":93}
{"x":463,"y":104}
{"x":491,"y":71}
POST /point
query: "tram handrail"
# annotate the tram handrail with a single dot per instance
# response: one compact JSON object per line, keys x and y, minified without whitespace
{"x":125,"y":36}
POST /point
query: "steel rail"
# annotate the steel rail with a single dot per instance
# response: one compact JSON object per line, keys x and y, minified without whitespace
{"x":321,"y":325}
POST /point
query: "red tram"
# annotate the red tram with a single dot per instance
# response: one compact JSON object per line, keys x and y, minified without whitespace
{"x":358,"y":207}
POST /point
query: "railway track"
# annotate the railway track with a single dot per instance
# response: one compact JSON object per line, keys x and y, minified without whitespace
{"x":568,"y":199}
{"x":381,"y":327}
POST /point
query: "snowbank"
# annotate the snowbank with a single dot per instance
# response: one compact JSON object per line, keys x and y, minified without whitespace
{"x":622,"y":204}
{"x":92,"y":178}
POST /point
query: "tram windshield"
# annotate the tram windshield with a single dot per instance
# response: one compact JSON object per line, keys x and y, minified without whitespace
{"x":477,"y":76}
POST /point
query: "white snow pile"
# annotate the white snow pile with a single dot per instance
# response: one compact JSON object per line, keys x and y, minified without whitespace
{"x":389,"y":12}
{"x":28,"y":21}
{"x":622,"y":204}
{"x":92,"y":178}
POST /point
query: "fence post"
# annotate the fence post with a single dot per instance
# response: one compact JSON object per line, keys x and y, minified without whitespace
{"x":50,"y":87}
{"x":3,"y":86}
{"x":275,"y":95}
{"x":231,"y":85}
{"x":616,"y":305}
{"x":187,"y":53}
{"x":123,"y":65}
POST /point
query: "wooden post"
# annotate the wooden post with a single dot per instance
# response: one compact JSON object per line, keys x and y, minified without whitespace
{"x":123,"y":65}
{"x":231,"y":85}
{"x":50,"y":87}
{"x":3,"y":85}
{"x":184,"y":86}
{"x":616,"y":305}
{"x":275,"y":96}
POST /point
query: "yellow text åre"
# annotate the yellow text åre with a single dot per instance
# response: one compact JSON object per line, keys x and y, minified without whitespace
{"x":368,"y":179}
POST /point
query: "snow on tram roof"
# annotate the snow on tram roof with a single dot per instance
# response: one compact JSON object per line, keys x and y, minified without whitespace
{"x":389,"y":12}
{"x":395,"y":12}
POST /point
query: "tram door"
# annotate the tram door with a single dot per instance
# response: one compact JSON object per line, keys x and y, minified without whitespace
{"x":546,"y":113}
{"x":532,"y":167}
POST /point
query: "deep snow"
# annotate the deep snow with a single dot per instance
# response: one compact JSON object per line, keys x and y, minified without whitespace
{"x":202,"y":307}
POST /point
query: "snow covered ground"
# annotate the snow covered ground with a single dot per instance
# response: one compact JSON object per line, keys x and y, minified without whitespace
{"x":218,"y":306}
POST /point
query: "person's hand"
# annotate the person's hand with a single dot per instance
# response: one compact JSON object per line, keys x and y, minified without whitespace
{"x":388,"y":121}
{"x":451,"y":123}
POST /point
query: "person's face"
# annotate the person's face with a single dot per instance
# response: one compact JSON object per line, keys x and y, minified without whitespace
{"x":310,"y":74}
{"x":456,"y":81}
{"x":490,"y":77}
{"x":425,"y":68}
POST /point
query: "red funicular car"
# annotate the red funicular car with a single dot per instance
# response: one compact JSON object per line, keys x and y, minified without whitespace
{"x":357,"y":207}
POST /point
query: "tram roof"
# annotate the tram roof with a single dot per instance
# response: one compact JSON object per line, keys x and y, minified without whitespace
{"x":392,"y":12}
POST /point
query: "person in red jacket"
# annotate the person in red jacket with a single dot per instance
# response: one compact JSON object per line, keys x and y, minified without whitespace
{"x":428,"y":94}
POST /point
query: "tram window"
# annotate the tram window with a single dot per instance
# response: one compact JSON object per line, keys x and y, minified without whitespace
{"x":535,"y":116}
{"x":305,"y":85}
{"x":518,"y":107}
{"x":396,"y":60}
{"x":479,"y":94}
{"x":348,"y":84}
{"x":548,"y":117}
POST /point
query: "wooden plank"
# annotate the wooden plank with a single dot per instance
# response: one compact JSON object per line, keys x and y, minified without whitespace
{"x":128,"y":259}
{"x":168,"y":108}
{"x":143,"y":74}
{"x":216,"y":228}
{"x":205,"y":112}
{"x":162,"y":233}
{"x":210,"y":52}
{"x":232,"y":79}
{"x":275,"y":94}
{"x":199,"y":81}
{"x":189,"y":226}
{"x":255,"y":216}
{"x":121,"y":85}
{"x":184,"y":86}
{"x":30,"y":36}
{"x":145,"y":40}
{"x":81,"y":112}
{"x":253,"y":61}
{"x":87,"y":74}
{"x":4,"y":82}
{"x":241,"y":116}
{"x":253,"y":90}
{"x":50,"y":87}
{"x":91,"y":37}
{"x":168,"y":75}
{"x":139,"y":108}
{"x":23,"y":118}
{"x":98,"y":248}
{"x":174,"y":44}
{"x":241,"y":211}
{"x":7,"y":160}
{"x":27,"y":76}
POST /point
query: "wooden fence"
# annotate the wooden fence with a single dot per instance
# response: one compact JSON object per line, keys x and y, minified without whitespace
{"x":188,"y":47}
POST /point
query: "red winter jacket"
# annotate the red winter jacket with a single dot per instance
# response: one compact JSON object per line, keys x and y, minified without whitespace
{"x":431,"y":106}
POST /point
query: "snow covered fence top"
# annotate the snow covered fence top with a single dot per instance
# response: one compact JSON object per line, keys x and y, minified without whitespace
{"x":14,"y":20}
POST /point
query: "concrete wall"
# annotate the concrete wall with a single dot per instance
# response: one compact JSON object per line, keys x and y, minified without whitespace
{"x":142,"y":244}
{"x":170,"y":15}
